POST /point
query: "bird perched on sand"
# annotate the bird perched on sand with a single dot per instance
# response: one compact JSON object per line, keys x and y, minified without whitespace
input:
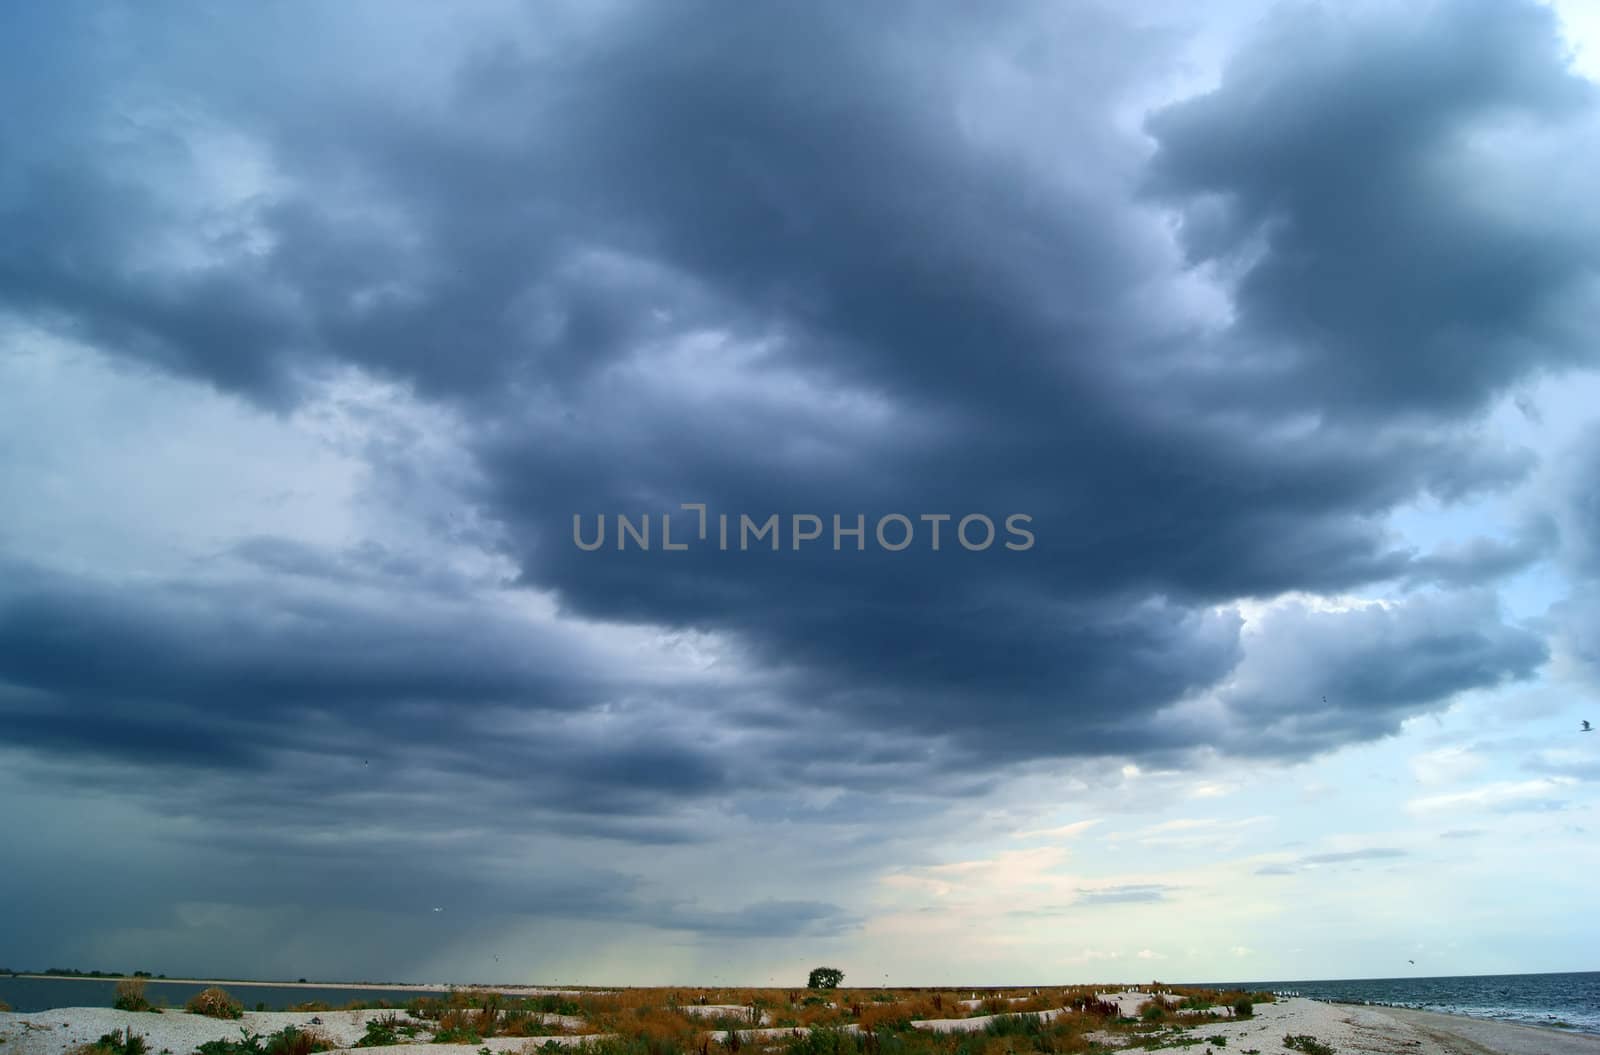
{"x":1585,"y":727}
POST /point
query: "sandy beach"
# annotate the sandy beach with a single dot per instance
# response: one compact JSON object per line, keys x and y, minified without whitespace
{"x":58,"y":1031}
{"x":1458,"y":1033}
{"x":1350,"y":1028}
{"x":1346,"y":1028}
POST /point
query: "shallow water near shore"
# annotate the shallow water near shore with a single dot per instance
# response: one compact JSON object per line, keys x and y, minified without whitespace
{"x":1570,"y":1000}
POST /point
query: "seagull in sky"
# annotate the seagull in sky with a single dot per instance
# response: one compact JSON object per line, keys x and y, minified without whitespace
{"x":1586,"y":727}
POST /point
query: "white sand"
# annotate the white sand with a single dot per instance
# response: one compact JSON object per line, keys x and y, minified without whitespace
{"x":58,"y":1031}
{"x":739,"y":1011}
{"x":1453,"y":1033}
{"x":1369,"y":1029}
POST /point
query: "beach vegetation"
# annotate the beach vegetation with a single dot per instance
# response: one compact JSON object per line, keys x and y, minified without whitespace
{"x":130,"y":996}
{"x":456,"y":1035}
{"x":1308,"y":1044}
{"x":386,"y":1030}
{"x":117,"y":1042}
{"x":824,"y":978}
{"x":1243,"y":1008}
{"x":214,"y":1002}
{"x":290,"y":1040}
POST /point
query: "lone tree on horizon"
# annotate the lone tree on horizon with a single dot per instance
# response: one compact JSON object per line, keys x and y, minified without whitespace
{"x":825,"y":978}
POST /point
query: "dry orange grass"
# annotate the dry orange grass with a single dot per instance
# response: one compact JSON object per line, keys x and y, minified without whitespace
{"x":214,"y":1002}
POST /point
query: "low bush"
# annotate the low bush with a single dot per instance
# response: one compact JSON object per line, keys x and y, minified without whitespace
{"x":456,"y":1035}
{"x":119,"y":1042}
{"x":824,"y":1041}
{"x":214,"y":1003}
{"x":130,"y":996}
{"x":290,"y":1040}
{"x":1308,"y":1044}
{"x":1244,"y":1009}
{"x":386,"y":1030}
{"x":1015,"y":1026}
{"x":520,"y":1023}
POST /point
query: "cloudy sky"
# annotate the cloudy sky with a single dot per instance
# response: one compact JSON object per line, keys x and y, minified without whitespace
{"x":320,"y":323}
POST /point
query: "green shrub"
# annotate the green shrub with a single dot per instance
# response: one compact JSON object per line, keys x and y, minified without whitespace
{"x":824,"y":978}
{"x":1244,"y":1009}
{"x":214,"y":1003}
{"x":248,"y":1044}
{"x":290,"y":1040}
{"x":119,"y":1042}
{"x":1219,"y":1040}
{"x":1309,"y":1045}
{"x":457,"y":1035}
{"x":130,"y":996}
{"x":386,"y":1030}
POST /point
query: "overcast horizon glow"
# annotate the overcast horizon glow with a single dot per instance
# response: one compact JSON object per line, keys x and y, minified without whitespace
{"x":321,"y":324}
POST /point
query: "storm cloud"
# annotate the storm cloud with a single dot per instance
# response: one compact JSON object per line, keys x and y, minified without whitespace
{"x":779,"y":259}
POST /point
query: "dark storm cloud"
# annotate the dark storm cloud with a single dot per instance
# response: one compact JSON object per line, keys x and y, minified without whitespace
{"x":1129,"y":507}
{"x":761,"y":919}
{"x":1483,"y":560}
{"x":810,"y":258}
{"x":1576,"y":507}
{"x":1335,"y":167}
{"x":941,"y":328}
{"x":308,"y":690}
{"x":1319,"y":678}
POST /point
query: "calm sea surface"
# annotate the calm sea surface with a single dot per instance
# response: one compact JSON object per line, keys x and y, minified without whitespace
{"x":1535,"y":999}
{"x":42,"y":994}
